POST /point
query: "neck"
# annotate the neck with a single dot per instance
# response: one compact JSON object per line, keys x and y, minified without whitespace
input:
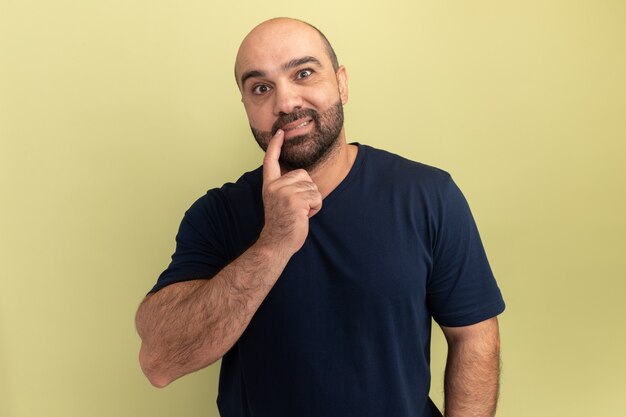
{"x":329,"y":174}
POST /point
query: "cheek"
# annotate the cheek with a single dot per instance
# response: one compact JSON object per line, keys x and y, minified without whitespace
{"x":323,"y":99}
{"x":258,"y":116}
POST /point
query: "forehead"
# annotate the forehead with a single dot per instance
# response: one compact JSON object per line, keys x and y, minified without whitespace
{"x":268,"y":47}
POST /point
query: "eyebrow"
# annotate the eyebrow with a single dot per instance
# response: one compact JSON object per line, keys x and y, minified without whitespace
{"x":285,"y":67}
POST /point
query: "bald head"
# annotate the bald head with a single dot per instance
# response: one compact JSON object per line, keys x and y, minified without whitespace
{"x":274,"y":31}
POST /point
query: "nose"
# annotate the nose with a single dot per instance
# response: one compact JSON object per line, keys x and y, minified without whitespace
{"x":287,"y":99}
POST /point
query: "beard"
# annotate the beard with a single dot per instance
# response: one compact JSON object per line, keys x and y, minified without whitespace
{"x":309,"y":150}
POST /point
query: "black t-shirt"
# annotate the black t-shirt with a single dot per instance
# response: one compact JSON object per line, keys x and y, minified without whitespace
{"x":345,"y":331}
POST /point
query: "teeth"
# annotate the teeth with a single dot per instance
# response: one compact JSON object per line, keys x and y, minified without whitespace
{"x":299,"y":126}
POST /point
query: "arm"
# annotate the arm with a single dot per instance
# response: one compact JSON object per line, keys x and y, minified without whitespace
{"x":472,"y":369}
{"x":189,"y":325}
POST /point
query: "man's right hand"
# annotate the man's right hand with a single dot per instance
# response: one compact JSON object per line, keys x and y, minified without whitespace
{"x":289,"y":201}
{"x":189,"y":325}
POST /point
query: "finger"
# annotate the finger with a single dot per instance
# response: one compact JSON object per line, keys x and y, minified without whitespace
{"x":271,"y":167}
{"x":299,"y":186}
{"x":298,"y":175}
{"x":292,"y":179}
{"x":314,"y":200}
{"x":315,"y":207}
{"x":287,"y":185}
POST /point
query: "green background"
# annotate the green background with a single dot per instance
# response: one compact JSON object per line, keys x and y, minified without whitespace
{"x":115,"y":116}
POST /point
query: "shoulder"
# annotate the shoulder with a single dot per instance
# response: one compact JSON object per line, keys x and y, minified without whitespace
{"x":229,"y":216}
{"x":242,"y":193}
{"x":397,"y":171}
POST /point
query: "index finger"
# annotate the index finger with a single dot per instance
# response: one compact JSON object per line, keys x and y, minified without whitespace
{"x":271,"y":167}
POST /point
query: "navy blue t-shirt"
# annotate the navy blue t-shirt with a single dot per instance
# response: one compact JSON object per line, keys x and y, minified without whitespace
{"x":345,"y":331}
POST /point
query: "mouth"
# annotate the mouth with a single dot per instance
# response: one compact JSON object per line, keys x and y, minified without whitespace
{"x":298,"y":124}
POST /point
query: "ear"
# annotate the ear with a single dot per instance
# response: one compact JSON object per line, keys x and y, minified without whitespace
{"x":342,"y":82}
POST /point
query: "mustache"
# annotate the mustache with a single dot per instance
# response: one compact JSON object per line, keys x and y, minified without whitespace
{"x":293,"y":116}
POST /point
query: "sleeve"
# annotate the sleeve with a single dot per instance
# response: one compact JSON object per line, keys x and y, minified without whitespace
{"x":461,"y":288}
{"x":200,"y":251}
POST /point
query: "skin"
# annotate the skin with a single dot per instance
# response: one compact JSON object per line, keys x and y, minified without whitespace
{"x":267,"y":50}
{"x":189,"y":325}
{"x":472,"y":375}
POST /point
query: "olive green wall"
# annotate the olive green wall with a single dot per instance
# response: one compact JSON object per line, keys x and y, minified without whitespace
{"x":116,"y":115}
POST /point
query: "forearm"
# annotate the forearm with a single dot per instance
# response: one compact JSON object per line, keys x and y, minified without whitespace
{"x":472,"y":376}
{"x":189,"y":325}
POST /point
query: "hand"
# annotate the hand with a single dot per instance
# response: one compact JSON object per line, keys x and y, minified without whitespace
{"x":289,"y":201}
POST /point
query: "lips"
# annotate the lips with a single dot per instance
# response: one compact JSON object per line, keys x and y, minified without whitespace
{"x":298,"y":124}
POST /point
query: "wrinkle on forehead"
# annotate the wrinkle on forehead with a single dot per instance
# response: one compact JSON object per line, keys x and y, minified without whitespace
{"x":294,"y":63}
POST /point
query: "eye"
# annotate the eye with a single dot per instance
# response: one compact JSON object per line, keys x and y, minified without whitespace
{"x":260,"y":89}
{"x":305,"y":73}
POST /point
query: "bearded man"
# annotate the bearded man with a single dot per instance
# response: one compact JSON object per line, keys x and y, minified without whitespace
{"x":315,"y":277}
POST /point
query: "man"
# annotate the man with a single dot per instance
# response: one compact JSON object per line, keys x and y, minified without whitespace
{"x":315,"y":277}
